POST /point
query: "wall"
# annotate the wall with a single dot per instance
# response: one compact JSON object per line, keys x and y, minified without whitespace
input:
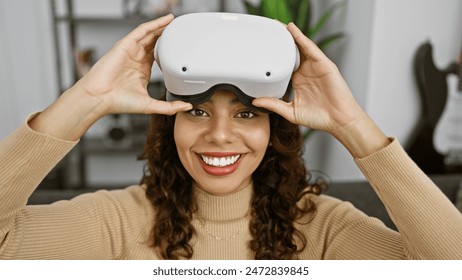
{"x":27,"y":78}
{"x":323,"y":153}
{"x":375,"y":59}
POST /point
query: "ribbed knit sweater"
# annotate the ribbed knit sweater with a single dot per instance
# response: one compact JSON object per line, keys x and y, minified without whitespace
{"x":116,"y":224}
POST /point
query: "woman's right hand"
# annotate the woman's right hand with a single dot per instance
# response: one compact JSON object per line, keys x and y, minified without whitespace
{"x":117,"y":83}
{"x":119,"y":79}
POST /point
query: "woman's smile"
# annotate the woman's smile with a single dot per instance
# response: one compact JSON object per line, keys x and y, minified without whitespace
{"x":221,"y":142}
{"x":219,"y":164}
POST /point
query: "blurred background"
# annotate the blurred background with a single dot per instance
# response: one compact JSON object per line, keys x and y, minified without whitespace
{"x":377,"y":44}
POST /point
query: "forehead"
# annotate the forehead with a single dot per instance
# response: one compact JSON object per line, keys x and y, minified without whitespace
{"x":224,"y":97}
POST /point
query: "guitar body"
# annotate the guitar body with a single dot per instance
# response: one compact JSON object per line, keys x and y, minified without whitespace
{"x":448,"y":132}
{"x":433,"y":89}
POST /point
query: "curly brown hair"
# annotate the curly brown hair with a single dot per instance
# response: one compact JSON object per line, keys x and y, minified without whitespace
{"x":279,"y":183}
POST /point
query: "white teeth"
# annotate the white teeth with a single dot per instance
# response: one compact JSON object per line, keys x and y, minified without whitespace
{"x":220,"y":161}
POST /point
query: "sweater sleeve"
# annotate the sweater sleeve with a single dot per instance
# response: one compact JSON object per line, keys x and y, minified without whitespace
{"x":100,"y":225}
{"x":430,"y":226}
{"x":26,"y":157}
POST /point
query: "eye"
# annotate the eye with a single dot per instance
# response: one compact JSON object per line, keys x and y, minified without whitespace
{"x":198,"y":113}
{"x":246,"y":115}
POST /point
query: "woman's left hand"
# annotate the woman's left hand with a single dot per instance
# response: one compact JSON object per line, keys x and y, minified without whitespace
{"x":323,"y":101}
{"x":322,"y":98}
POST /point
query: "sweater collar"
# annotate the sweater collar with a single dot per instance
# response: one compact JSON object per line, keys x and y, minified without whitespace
{"x":223,"y":208}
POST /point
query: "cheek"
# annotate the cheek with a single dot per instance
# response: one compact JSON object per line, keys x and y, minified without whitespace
{"x":258,"y":136}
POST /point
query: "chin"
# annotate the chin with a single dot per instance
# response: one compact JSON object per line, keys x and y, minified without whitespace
{"x":221,"y":187}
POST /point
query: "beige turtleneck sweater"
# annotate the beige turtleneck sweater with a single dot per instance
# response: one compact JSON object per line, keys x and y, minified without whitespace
{"x":116,"y":224}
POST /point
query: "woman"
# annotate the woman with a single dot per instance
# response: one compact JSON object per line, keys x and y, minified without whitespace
{"x":232,"y":188}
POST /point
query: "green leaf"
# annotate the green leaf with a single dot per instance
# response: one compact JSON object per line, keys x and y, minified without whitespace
{"x":326,"y":41}
{"x":276,"y":9}
{"x":253,"y":10}
{"x":324,"y":18}
{"x":303,"y":17}
{"x":293,"y":5}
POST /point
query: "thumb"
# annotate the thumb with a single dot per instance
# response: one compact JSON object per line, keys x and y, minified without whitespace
{"x":276,"y":105}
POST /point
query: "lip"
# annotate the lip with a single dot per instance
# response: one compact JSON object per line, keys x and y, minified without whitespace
{"x":219,"y":154}
{"x":217,"y":170}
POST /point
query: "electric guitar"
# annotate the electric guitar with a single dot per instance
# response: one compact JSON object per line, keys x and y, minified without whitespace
{"x":437,"y":143}
{"x":447,"y":137}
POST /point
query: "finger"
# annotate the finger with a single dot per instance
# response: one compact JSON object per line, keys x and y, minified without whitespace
{"x":150,"y":41}
{"x":167,"y":108}
{"x":148,"y":29}
{"x":307,"y":47}
{"x":276,"y":105}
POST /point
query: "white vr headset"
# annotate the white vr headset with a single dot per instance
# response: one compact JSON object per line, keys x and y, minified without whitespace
{"x":201,"y":53}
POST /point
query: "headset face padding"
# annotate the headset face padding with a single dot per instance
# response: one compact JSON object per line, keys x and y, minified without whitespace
{"x":201,"y":53}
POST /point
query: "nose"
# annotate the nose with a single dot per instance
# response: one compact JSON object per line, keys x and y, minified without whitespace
{"x":221,"y":130}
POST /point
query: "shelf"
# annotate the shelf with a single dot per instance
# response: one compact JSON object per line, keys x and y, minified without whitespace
{"x":69,"y":30}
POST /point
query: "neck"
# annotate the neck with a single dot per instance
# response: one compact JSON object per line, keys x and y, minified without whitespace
{"x":222,"y":208}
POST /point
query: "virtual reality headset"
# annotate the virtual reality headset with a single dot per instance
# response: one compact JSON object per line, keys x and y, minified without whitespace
{"x":201,"y":53}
